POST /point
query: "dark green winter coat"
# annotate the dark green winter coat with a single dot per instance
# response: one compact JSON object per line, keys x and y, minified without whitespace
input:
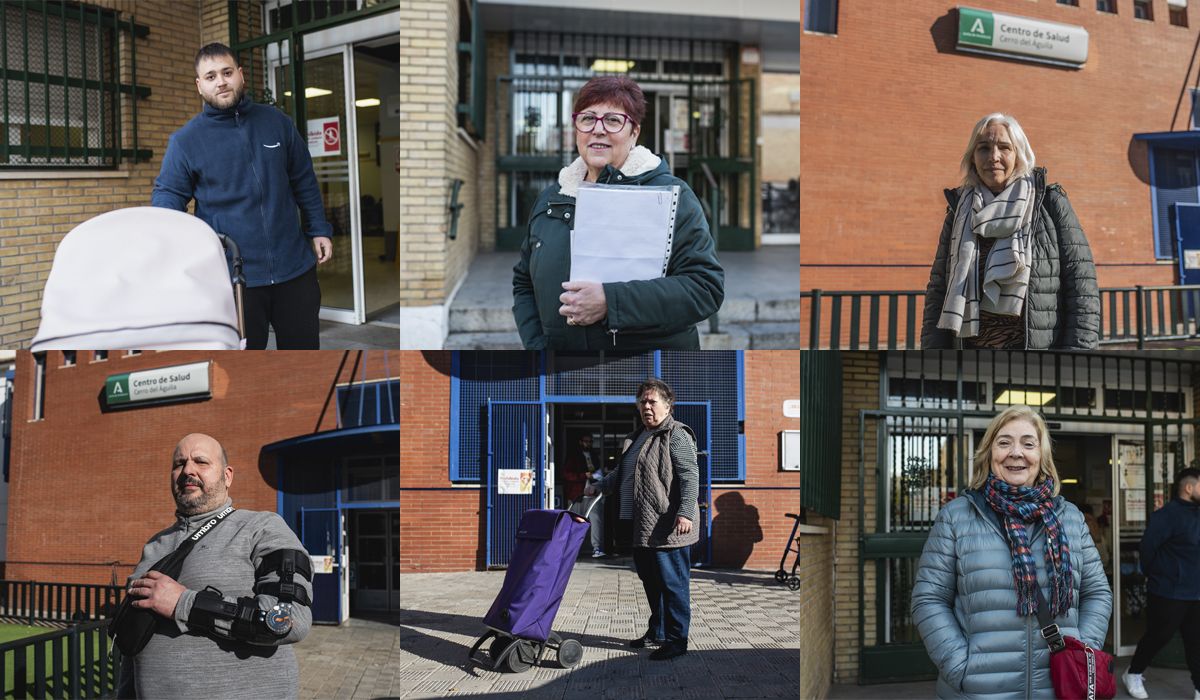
{"x":642,"y":314}
{"x":1062,"y":305}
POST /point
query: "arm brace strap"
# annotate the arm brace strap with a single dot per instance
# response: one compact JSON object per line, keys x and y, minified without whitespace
{"x":246,"y":620}
{"x":286,"y":563}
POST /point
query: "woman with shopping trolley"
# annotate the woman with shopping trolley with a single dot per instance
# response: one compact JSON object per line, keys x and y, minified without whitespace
{"x":657,"y":479}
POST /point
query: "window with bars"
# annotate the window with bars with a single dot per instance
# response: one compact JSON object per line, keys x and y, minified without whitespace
{"x":1109,"y":6}
{"x":60,"y":91}
{"x":1142,"y":9}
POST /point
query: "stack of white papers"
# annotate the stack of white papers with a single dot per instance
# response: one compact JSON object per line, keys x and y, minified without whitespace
{"x":622,"y":232}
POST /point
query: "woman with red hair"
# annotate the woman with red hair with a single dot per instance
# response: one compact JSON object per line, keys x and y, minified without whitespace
{"x":553,"y":312}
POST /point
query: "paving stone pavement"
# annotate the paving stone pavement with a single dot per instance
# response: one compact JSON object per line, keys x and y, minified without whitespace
{"x":743,"y":643}
{"x":356,"y":661}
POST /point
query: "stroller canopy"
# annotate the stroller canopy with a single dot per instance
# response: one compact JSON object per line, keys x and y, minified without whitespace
{"x":139,"y":278}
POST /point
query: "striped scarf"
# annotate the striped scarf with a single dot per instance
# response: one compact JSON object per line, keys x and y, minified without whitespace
{"x":1017,"y":506}
{"x":1005,"y":217}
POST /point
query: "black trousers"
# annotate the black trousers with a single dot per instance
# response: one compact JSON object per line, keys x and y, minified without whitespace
{"x":1163,"y":617}
{"x":290,"y":308}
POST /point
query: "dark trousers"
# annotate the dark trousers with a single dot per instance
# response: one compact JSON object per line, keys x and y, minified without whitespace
{"x":290,"y":308}
{"x":666,"y":577}
{"x":1163,"y":617}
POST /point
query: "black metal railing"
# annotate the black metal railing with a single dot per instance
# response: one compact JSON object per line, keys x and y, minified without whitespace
{"x":872,"y":320}
{"x":77,"y":662}
{"x":36,"y":601}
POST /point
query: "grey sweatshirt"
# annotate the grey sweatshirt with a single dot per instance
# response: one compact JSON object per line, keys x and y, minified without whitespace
{"x":182,"y":663}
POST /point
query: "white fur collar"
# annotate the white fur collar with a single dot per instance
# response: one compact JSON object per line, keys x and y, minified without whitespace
{"x":640,"y":160}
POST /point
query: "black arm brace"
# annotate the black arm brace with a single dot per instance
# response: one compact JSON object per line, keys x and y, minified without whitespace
{"x":247,"y":620}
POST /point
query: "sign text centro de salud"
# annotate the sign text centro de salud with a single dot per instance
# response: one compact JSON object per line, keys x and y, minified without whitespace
{"x":161,"y":384}
{"x":981,"y":31}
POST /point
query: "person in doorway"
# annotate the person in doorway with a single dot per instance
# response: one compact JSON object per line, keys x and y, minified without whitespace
{"x":976,"y":594}
{"x":577,"y":468}
{"x":1170,"y":556}
{"x":249,"y":170}
{"x":553,"y":312}
{"x":1013,"y":268}
{"x":222,"y":627}
{"x":1099,"y":536}
{"x":658,"y":479}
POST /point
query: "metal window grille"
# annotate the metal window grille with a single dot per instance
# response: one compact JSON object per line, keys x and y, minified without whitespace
{"x":820,"y":432}
{"x":1106,"y":6}
{"x":375,"y":403}
{"x":1143,"y":10}
{"x":641,"y":58}
{"x":712,"y":375}
{"x":61,"y":95}
{"x":499,"y":376}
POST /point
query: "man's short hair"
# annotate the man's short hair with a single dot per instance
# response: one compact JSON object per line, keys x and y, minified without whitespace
{"x":1184,"y":476}
{"x":663,"y":389}
{"x":212,"y":51}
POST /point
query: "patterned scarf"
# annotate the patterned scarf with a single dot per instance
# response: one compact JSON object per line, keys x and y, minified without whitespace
{"x":998,"y":284}
{"x":1017,"y":506}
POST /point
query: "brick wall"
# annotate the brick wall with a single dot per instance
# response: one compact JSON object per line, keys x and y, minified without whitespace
{"x":816,"y":612}
{"x":436,"y":153}
{"x":888,"y":103}
{"x":860,"y":390}
{"x":439,"y":525}
{"x":89,"y":487}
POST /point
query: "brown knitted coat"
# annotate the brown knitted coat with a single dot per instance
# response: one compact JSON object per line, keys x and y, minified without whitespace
{"x":658,"y":484}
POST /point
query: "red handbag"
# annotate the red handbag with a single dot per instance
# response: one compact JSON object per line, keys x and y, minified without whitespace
{"x":1077,"y":671}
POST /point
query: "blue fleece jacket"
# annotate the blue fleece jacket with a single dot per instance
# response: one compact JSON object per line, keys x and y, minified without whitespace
{"x":248,"y":169}
{"x":1170,"y":551}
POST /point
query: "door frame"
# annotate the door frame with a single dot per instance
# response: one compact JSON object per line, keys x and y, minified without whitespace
{"x":356,"y":315}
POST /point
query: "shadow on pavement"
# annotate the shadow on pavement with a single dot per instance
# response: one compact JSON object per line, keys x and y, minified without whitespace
{"x":753,"y":672}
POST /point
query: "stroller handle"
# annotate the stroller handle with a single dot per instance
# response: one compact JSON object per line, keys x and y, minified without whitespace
{"x":238,"y":279}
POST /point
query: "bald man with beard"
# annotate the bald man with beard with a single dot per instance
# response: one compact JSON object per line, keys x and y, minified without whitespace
{"x":224,"y":626}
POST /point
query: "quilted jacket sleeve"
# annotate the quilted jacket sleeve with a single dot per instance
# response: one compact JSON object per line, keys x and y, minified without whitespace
{"x":1080,"y":327}
{"x":1095,"y":597}
{"x":933,"y":337}
{"x":525,"y":310}
{"x":933,"y":601}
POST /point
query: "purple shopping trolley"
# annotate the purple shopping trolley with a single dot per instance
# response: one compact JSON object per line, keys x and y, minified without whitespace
{"x":520,"y":619}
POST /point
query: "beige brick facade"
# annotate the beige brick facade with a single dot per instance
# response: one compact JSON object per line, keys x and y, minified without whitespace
{"x":437,"y":152}
{"x":37,"y":208}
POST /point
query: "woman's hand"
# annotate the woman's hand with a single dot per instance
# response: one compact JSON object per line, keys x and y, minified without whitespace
{"x":583,"y":303}
{"x":682,"y":525}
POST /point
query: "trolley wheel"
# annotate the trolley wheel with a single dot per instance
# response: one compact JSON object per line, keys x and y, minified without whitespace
{"x":521,"y":658}
{"x":497,"y":647}
{"x":793,"y":583}
{"x":569,"y":653}
{"x":781,"y":576}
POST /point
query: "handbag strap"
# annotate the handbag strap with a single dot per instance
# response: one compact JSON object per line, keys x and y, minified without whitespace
{"x":1049,"y":629}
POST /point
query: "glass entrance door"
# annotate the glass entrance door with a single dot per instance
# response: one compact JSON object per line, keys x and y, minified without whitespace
{"x":375,"y":541}
{"x":331,"y":143}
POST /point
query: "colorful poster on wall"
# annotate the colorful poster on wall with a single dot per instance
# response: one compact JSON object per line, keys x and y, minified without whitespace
{"x":514,"y":482}
{"x":325,"y":137}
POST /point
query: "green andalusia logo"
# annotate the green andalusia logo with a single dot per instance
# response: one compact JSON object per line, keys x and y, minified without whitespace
{"x":975,"y":26}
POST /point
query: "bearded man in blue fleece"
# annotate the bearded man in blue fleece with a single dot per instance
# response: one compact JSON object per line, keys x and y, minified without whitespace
{"x":249,"y":170}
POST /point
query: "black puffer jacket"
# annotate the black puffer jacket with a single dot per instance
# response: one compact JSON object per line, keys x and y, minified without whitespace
{"x":1062,"y":307}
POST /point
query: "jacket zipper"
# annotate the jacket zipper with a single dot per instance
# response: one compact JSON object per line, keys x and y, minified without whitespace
{"x":262,"y":195}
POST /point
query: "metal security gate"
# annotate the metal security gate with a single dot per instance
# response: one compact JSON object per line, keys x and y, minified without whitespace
{"x":704,"y":129}
{"x":516,"y":433}
{"x":697,"y":415}
{"x":915,"y":454}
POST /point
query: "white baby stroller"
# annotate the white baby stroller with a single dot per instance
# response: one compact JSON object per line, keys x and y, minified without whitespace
{"x":143,"y":278}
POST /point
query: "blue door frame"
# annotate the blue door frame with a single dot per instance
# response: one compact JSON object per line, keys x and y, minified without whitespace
{"x":319,"y":534}
{"x":516,"y":439}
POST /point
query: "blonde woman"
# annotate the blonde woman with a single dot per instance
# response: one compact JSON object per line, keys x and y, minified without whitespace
{"x":975,"y":599}
{"x":1013,"y":268}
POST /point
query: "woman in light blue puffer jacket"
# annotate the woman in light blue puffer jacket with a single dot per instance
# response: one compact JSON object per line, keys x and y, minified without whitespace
{"x":974,"y":600}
